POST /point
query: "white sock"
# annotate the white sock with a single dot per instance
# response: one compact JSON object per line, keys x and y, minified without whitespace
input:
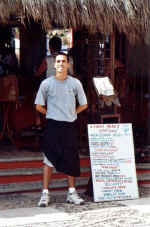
{"x":71,"y":189}
{"x":45,"y":190}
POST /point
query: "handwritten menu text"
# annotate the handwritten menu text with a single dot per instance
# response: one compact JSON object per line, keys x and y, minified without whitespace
{"x":112,"y":162}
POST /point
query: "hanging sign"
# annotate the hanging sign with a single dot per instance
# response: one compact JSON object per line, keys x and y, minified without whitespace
{"x":112,"y":162}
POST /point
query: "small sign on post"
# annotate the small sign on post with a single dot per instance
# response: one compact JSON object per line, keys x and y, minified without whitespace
{"x":112,"y":162}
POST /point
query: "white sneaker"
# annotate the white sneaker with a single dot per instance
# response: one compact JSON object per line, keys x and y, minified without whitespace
{"x":74,"y":198}
{"x":45,"y":199}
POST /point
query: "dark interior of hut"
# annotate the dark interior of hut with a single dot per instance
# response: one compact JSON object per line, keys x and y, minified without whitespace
{"x":93,"y":55}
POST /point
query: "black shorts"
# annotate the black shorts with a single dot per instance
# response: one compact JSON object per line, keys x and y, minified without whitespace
{"x":59,"y":144}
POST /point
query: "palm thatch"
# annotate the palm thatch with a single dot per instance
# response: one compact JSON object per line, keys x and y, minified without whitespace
{"x":129,"y":16}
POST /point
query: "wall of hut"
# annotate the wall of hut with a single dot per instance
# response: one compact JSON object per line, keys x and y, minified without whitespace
{"x":127,"y":65}
{"x":138,"y":72}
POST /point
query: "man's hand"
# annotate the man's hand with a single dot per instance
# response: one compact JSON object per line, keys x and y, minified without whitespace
{"x":81,"y":108}
{"x":41,"y":109}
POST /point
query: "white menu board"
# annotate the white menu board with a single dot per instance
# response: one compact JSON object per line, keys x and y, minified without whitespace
{"x":112,"y":162}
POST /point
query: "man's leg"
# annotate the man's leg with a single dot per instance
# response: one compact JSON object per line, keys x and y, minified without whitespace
{"x":72,"y":196}
{"x":71,"y":182}
{"x":47,"y":174}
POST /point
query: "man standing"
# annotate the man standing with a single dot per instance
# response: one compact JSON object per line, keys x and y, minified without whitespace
{"x":56,"y":98}
{"x":47,"y":65}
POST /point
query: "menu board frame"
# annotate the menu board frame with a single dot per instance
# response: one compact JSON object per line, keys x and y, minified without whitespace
{"x":112,"y":162}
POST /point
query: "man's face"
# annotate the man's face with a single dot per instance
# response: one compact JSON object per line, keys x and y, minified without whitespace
{"x":61,"y":64}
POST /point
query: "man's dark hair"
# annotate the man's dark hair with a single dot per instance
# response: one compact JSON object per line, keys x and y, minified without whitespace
{"x":55,"y":43}
{"x":62,"y":53}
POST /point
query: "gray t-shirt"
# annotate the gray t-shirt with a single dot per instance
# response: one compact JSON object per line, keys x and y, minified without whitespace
{"x":60,"y":98}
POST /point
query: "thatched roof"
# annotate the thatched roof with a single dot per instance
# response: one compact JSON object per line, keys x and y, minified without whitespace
{"x":130,"y":16}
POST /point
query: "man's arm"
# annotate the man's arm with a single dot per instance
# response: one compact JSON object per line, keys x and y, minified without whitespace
{"x":41,"y":109}
{"x":81,"y":108}
{"x":42,"y":68}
